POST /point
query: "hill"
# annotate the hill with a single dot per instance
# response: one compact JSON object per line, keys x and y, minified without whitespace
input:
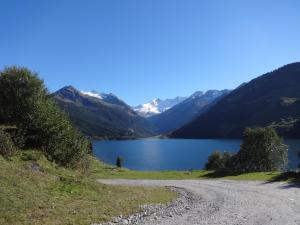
{"x":272,"y":99}
{"x":101,"y":116}
{"x":37,"y":191}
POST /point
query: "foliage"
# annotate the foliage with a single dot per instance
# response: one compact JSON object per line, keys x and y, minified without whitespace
{"x":262,"y":150}
{"x":217,"y":161}
{"x":214,"y":161}
{"x":119,"y":162}
{"x":7,"y":147}
{"x":27,"y":105}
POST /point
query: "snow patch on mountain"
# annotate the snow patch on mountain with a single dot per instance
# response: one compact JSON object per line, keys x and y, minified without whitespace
{"x":94,"y":94}
{"x":157,"y":106}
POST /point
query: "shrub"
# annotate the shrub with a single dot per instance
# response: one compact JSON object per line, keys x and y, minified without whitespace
{"x":214,"y":161}
{"x":218,"y":161}
{"x":119,"y":162}
{"x":26,"y":104}
{"x":7,"y":147}
{"x":262,"y":150}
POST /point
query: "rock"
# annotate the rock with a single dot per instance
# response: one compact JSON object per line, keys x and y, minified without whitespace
{"x":125,"y":221}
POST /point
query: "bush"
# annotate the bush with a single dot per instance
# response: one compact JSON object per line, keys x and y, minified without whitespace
{"x":119,"y":162}
{"x":27,"y":105}
{"x":262,"y":150}
{"x":7,"y":147}
{"x":219,"y":161}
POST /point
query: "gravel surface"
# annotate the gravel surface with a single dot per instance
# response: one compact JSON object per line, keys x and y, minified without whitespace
{"x":219,"y":202}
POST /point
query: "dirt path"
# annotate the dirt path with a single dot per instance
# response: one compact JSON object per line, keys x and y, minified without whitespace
{"x":224,"y":202}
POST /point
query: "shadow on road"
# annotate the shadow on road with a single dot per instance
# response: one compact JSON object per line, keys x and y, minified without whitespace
{"x":292,"y":179}
{"x":221,"y":174}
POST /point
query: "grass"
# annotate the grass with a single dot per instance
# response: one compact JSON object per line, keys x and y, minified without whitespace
{"x":104,"y":171}
{"x":36,"y":191}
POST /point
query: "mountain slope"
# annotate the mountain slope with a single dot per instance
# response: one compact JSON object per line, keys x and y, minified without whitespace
{"x":272,"y":99}
{"x":185,"y":111}
{"x":157,"y":106}
{"x":102,"y":116}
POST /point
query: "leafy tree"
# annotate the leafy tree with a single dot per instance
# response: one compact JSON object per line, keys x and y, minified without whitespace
{"x":262,"y":150}
{"x":119,"y":162}
{"x":21,"y":90}
{"x":26,"y":104}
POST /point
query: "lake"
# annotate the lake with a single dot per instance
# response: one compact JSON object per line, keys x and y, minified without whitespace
{"x":173,"y":154}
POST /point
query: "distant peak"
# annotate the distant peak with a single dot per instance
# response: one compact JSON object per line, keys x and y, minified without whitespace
{"x":197,"y":94}
{"x":68,"y":88}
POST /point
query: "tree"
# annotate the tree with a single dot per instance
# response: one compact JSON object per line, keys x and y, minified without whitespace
{"x":26,"y":104}
{"x":262,"y":150}
{"x":119,"y":162}
{"x":21,"y":90}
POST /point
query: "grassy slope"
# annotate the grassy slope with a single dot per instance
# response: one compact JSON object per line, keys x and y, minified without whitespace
{"x":54,"y":195}
{"x":101,"y":170}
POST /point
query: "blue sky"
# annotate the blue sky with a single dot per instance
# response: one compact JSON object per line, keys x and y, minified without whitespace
{"x":144,"y":49}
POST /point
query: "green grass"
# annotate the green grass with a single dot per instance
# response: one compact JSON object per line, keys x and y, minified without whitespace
{"x":54,"y":195}
{"x":104,"y":171}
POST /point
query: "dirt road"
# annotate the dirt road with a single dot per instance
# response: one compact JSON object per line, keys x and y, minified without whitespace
{"x":224,"y":202}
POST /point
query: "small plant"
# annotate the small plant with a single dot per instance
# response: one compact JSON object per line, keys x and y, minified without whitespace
{"x":119,"y":162}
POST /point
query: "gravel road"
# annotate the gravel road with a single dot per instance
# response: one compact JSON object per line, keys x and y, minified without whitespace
{"x":222,"y":202}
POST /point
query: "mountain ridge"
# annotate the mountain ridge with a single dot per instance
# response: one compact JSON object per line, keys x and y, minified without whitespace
{"x":271,"y":99}
{"x":107,"y":117}
{"x":185,"y":111}
{"x":157,"y":106}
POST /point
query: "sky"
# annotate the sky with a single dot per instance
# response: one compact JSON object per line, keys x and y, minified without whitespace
{"x":146,"y":49}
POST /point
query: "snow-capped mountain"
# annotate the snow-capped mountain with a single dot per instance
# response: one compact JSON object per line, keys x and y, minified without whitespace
{"x":157,"y":106}
{"x":101,"y":115}
{"x":186,"y":110}
{"x":109,"y":98}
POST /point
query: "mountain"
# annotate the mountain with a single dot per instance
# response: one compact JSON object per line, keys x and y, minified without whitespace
{"x":101,"y":115}
{"x":185,"y":111}
{"x":272,"y":99}
{"x":157,"y":106}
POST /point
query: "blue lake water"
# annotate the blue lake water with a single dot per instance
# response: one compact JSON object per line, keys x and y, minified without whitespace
{"x":173,"y":154}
